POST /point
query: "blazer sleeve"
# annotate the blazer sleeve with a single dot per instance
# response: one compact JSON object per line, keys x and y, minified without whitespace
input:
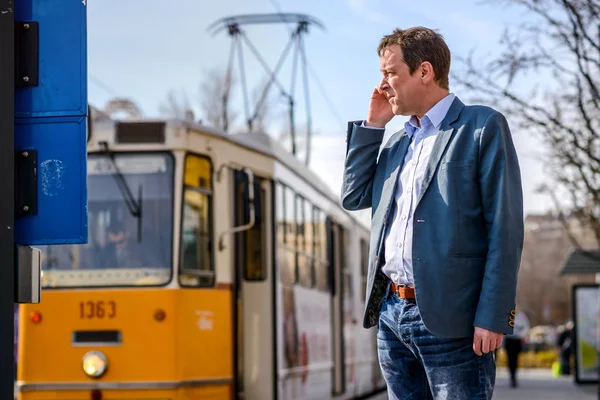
{"x":502,"y":201}
{"x":362,"y":149}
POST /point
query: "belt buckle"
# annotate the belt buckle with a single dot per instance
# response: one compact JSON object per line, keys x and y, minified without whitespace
{"x":398,"y":287}
{"x":400,"y":290}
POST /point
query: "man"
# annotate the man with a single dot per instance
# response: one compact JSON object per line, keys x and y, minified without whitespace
{"x":564,"y":344}
{"x":447,"y":224}
{"x":119,"y":253}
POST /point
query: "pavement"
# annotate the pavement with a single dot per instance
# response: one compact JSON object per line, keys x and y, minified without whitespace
{"x":537,"y":385}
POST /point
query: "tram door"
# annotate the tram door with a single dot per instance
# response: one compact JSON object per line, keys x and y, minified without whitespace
{"x":253,"y":321}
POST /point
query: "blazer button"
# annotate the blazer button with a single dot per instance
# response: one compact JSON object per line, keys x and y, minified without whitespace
{"x":512,"y":324}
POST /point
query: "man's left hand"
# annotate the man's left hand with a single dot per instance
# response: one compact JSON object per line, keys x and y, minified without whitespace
{"x":486,"y":340}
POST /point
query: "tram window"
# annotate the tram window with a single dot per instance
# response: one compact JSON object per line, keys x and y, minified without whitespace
{"x":196,"y":247}
{"x":197,"y":172}
{"x":286,"y":253}
{"x":290,"y":219}
{"x":254,"y":239}
{"x":123,"y":249}
{"x":364,"y":257}
{"x":364,"y":265}
{"x":286,"y":260}
{"x":280,"y":213}
{"x":305,"y":274}
{"x":348,"y":290}
{"x":322,"y":275}
{"x":309,"y":229}
{"x":316,"y":233}
{"x":305,"y":268}
{"x":321,"y":258}
{"x":320,"y":224}
{"x":300,"y":239}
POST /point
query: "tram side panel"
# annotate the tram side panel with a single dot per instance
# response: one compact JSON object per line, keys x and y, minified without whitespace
{"x":367,"y":363}
{"x":304,"y":314}
{"x":346,"y":255}
{"x":362,"y":372}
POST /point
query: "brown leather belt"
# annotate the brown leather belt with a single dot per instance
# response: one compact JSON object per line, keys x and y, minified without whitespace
{"x":403,"y":291}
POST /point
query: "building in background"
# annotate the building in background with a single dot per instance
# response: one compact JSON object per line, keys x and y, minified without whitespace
{"x":544,"y":290}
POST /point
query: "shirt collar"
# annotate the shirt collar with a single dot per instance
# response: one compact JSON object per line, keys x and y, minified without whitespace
{"x":433,"y":117}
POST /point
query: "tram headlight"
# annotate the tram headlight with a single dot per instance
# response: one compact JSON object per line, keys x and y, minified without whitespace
{"x":94,"y":364}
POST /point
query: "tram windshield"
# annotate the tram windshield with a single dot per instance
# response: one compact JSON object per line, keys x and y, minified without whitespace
{"x":130,"y":226}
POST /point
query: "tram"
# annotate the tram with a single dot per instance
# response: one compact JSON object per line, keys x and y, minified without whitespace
{"x":217,"y":267}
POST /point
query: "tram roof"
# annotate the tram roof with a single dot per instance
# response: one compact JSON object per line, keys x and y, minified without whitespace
{"x":265,"y":144}
{"x":259,"y":142}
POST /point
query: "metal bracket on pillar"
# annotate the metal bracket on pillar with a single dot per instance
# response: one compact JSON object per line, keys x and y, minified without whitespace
{"x":26,"y":53}
{"x":26,"y":195}
{"x":28,"y":278}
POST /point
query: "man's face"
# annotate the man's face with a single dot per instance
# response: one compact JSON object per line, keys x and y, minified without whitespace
{"x":403,"y":90}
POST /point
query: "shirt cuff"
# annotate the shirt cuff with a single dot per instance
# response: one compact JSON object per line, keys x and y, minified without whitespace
{"x":368,"y":127}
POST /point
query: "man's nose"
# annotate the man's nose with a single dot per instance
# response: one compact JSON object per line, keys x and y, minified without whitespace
{"x":384,"y":84}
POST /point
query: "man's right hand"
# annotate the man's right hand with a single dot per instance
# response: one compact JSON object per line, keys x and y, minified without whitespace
{"x":380,"y":109}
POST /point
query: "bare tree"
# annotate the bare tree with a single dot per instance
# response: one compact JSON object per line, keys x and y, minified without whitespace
{"x":547,"y":81}
{"x":540,"y":293}
{"x":262,"y":107}
{"x":284,"y":138}
{"x":217,"y":106}
{"x":117,"y":105}
{"x":96,"y":114}
{"x":177,"y":105}
{"x":215,"y":98}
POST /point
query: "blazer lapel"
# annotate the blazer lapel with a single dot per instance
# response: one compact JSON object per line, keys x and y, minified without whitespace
{"x":397,"y":160}
{"x":439,"y":147}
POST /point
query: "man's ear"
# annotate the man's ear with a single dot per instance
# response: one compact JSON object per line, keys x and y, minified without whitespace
{"x":427,"y":72}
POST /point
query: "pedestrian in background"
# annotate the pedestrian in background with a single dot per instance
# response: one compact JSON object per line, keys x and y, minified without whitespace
{"x":513,"y":344}
{"x":564,"y":344}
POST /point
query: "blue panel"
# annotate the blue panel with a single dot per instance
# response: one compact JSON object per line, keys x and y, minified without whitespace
{"x":62,"y":89}
{"x":61,"y":180}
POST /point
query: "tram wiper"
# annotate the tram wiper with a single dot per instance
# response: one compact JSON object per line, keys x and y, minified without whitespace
{"x":135,"y":208}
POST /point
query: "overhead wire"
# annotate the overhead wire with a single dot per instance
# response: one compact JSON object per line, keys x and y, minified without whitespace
{"x":314,"y":75}
{"x":103,"y":85}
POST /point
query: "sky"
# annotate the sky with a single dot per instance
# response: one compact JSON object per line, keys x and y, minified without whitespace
{"x":144,"y":52}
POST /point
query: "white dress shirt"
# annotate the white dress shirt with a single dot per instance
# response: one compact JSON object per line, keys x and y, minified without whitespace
{"x":399,"y":234}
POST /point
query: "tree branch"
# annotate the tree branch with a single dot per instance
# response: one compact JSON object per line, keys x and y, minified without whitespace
{"x":567,"y":114}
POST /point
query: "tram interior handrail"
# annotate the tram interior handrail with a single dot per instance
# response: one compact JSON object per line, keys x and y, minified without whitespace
{"x":250,"y":224}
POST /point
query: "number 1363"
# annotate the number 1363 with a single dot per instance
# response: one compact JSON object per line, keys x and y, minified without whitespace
{"x":97,"y":309}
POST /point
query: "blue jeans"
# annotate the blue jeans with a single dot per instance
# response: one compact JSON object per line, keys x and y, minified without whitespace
{"x":418,"y":365}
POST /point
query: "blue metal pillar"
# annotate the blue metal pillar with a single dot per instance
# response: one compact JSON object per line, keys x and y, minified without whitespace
{"x":51,"y":122}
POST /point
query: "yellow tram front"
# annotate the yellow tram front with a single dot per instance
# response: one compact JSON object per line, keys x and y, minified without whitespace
{"x":134,"y":313}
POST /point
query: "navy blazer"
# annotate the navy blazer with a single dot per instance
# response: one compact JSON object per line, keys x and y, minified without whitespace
{"x":468,"y":220}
